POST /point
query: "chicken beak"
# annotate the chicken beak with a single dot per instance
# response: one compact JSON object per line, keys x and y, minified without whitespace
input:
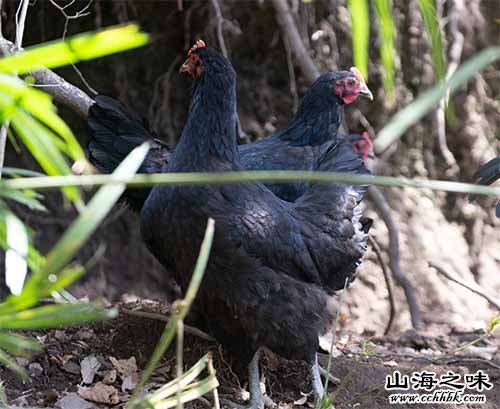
{"x":185,"y":67}
{"x":364,"y":91}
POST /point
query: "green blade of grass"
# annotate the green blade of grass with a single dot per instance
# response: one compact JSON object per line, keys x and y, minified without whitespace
{"x":51,"y":316}
{"x":428,"y":11}
{"x":81,"y":47}
{"x":49,"y":273}
{"x":383,"y":10}
{"x":360,"y":34}
{"x":28,"y":198}
{"x":184,"y":306}
{"x":142,"y":180}
{"x":17,"y":172}
{"x":95,"y":212}
{"x":16,"y":94}
{"x":7,"y":361}
{"x":408,"y":116}
{"x":18,"y":345}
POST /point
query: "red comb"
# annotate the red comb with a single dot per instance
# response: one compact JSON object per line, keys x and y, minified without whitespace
{"x":357,"y":74}
{"x":198,"y":44}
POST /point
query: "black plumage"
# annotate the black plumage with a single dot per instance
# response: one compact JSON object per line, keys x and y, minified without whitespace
{"x":488,"y":174}
{"x":274,"y":264}
{"x":114,"y":131}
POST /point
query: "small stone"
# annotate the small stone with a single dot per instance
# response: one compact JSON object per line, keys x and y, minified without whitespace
{"x":71,"y":367}
{"x":73,"y":401}
{"x":22,"y":362}
{"x":35,"y":369}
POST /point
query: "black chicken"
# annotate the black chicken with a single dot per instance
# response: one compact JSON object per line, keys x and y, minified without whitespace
{"x":489,"y":173}
{"x":274,"y":265}
{"x":115,"y":131}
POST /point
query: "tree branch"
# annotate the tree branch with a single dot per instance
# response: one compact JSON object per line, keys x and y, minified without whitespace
{"x":392,"y":304}
{"x":384,"y":211}
{"x":476,"y":289}
{"x":289,"y":28}
{"x":62,"y":91}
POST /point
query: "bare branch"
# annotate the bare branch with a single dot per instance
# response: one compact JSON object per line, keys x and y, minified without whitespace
{"x":61,"y":90}
{"x":289,"y":28}
{"x":160,"y":317}
{"x":476,"y":289}
{"x":220,"y":22}
{"x":392,"y":304}
{"x":384,"y":211}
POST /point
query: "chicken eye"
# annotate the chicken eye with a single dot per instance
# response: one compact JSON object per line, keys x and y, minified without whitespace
{"x":351,"y":82}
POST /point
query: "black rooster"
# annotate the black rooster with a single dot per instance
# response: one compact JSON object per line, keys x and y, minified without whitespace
{"x":274,"y":265}
{"x":489,"y":173}
{"x":114,"y":131}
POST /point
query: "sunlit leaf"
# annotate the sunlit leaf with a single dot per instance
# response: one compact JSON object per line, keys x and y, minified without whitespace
{"x":360,"y":33}
{"x":51,"y":316}
{"x":16,"y":266}
{"x":18,"y":345}
{"x":81,"y":47}
{"x":431,"y":22}
{"x":383,"y":9}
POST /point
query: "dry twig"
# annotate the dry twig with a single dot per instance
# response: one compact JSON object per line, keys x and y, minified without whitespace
{"x":476,"y":289}
{"x":384,"y":211}
{"x":392,"y":304}
{"x":160,"y":317}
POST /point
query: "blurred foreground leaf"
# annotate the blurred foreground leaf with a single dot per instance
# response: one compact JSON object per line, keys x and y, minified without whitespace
{"x":411,"y":114}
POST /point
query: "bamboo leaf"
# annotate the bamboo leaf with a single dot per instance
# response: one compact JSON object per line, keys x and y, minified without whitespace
{"x":428,"y":11}
{"x":51,"y":316}
{"x":360,"y":33}
{"x":18,"y":345}
{"x":95,"y":212}
{"x":383,"y":10}
{"x":81,"y":47}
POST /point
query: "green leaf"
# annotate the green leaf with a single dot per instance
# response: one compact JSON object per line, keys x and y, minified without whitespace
{"x":428,"y":11}
{"x":430,"y":98}
{"x":28,"y":198}
{"x":18,"y":345}
{"x":51,"y":316}
{"x":16,"y":95}
{"x":16,"y":172}
{"x":49,"y":273}
{"x":383,"y":10}
{"x":95,"y":212}
{"x":81,"y":47}
{"x":184,"y":306}
{"x":7,"y":361}
{"x":360,"y":34}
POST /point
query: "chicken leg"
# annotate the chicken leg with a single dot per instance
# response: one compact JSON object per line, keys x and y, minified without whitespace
{"x":256,"y":396}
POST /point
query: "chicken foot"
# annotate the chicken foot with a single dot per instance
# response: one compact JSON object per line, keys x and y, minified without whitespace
{"x":257,"y":399}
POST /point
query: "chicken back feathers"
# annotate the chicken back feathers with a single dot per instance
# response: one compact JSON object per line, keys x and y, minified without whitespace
{"x":273,"y":264}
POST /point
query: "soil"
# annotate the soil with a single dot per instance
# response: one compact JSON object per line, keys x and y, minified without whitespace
{"x":287,"y":383}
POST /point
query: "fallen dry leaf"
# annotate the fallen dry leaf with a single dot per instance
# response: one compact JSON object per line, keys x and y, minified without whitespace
{"x":130,"y":382}
{"x":125,"y":367}
{"x":110,"y":377}
{"x":100,"y":393}
{"x":88,"y":368}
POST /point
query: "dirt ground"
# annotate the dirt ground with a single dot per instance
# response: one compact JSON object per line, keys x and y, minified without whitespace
{"x":57,"y":374}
